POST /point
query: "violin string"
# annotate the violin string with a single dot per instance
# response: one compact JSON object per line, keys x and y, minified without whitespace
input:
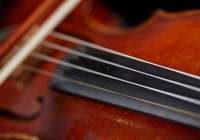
{"x":50,"y":74}
{"x":91,"y":45}
{"x":57,"y":61}
{"x":77,"y":53}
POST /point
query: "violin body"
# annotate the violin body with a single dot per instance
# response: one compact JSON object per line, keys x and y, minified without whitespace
{"x":168,"y":39}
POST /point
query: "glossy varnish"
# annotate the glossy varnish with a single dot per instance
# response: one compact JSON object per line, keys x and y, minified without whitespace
{"x":168,"y":39}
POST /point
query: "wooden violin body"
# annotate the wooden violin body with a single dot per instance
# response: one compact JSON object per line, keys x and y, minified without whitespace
{"x":167,"y":39}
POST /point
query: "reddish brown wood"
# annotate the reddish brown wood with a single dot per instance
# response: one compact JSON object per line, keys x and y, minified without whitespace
{"x":168,"y":39}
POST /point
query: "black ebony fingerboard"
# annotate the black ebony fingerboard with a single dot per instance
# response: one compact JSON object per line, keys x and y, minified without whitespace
{"x":131,"y":84}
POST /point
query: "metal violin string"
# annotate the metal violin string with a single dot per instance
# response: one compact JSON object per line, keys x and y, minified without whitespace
{"x":81,"y":42}
{"x":46,"y":73}
{"x":91,"y":45}
{"x":71,"y":51}
{"x":53,"y":60}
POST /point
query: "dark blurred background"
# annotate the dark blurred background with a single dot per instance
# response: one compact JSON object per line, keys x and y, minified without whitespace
{"x":136,"y":11}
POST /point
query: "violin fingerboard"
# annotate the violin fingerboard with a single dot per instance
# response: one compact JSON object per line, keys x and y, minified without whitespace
{"x":129,"y":83}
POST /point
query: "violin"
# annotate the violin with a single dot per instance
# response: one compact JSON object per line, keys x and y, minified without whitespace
{"x":69,"y":72}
